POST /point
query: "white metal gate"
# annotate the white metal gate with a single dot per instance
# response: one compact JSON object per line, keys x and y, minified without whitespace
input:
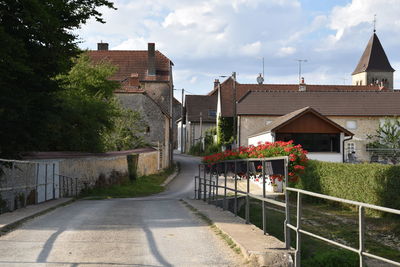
{"x":48,"y":181}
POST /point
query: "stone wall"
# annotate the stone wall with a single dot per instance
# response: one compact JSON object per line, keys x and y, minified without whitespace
{"x":150,"y":113}
{"x":72,"y":173}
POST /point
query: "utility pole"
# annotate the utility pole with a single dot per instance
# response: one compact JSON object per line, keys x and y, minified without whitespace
{"x":234,"y":108}
{"x":300,"y":61}
{"x":182,"y":138}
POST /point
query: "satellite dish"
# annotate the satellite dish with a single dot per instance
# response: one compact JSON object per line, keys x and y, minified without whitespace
{"x":260,"y":79}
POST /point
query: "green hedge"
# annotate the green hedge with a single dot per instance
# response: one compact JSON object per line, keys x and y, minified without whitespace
{"x":369,"y":183}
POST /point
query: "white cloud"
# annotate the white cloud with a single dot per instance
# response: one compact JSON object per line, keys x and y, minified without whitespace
{"x":286,"y":51}
{"x":251,"y":49}
{"x":208,"y":38}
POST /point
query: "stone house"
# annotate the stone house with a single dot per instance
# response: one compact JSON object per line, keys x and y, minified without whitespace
{"x":357,"y":111}
{"x":199,"y":116}
{"x":146,"y":86}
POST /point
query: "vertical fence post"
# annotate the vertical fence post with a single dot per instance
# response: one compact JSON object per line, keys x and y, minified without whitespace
{"x":76,"y":187}
{"x":247,"y":195}
{"x":209,"y":187}
{"x":235,"y":203}
{"x":54,"y":180}
{"x":264,"y":218}
{"x":225,"y":178}
{"x":287,"y":212}
{"x":205,"y":184}
{"x":217,"y":185}
{"x":298,"y":234}
{"x":45,"y":185}
{"x":361,"y":225}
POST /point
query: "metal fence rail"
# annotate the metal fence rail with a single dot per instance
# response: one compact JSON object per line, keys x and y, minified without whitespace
{"x":207,"y":185}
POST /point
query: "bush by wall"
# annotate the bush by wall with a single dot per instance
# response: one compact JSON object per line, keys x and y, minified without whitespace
{"x":370,"y":183}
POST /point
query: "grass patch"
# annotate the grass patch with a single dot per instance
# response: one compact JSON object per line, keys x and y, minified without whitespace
{"x":142,"y":186}
{"x":333,"y":223}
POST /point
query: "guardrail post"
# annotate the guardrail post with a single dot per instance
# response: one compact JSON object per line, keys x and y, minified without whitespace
{"x":235,"y":203}
{"x":247,"y":195}
{"x":298,"y":234}
{"x":204,"y":185}
{"x":287,"y":212}
{"x":217,"y":187}
{"x":264,"y":218}
{"x":209,"y":187}
{"x":361,"y":213}
{"x":225,"y":178}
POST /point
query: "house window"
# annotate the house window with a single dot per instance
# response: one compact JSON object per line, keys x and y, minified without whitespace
{"x":313,"y":142}
{"x":351,"y":125}
{"x":212,"y":113}
{"x":350,"y":148}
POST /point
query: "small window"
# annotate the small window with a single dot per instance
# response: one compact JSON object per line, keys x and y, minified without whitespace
{"x":351,"y":125}
{"x":212,"y":113}
{"x":351,"y":147}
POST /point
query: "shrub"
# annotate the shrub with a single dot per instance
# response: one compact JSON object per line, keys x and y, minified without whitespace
{"x":369,"y":182}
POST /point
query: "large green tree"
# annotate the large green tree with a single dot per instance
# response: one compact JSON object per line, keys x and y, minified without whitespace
{"x":37,"y":43}
{"x":93,"y":119}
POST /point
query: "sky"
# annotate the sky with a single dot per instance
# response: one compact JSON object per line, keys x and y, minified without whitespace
{"x":212,"y":38}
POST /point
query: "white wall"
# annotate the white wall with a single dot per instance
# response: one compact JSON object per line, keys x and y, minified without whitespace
{"x":326,"y":156}
{"x":266,"y":137}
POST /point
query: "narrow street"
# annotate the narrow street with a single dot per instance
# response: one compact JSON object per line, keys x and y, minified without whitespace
{"x":149,"y":231}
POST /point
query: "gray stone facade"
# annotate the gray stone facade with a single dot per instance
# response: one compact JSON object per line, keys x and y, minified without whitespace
{"x":150,"y":113}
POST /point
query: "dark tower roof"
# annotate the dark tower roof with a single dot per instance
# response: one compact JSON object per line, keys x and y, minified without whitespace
{"x":374,"y":58}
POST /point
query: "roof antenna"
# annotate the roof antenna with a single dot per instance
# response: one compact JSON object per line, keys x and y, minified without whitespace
{"x":375,"y":23}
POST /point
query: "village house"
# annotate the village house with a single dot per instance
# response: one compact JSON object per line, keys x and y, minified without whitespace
{"x":199,"y":116}
{"x":357,"y":110}
{"x":147,"y":87}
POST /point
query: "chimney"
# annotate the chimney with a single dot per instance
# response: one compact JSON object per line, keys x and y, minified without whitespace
{"x":302,"y":85}
{"x":134,"y":80}
{"x":151,"y":59}
{"x":216,"y":83}
{"x":102,"y":46}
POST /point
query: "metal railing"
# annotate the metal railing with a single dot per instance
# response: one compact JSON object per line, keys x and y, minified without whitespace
{"x":208,"y":186}
{"x":208,"y":190}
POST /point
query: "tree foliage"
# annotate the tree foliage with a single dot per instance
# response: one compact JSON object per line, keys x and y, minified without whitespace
{"x":225,"y":130}
{"x":93,"y":119}
{"x":37,"y":45}
{"x":386,"y":141}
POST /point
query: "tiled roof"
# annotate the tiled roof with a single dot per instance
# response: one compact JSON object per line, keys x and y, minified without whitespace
{"x":242,"y":89}
{"x":374,"y":58}
{"x":133,"y":61}
{"x":349,"y":103}
{"x":285,"y":119}
{"x":195,"y":104}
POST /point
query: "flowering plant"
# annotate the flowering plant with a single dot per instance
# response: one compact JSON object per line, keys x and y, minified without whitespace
{"x":297,"y":156}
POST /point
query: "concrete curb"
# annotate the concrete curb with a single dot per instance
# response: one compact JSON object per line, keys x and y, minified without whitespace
{"x":267,"y":253}
{"x":14,"y":224}
{"x":172,"y":176}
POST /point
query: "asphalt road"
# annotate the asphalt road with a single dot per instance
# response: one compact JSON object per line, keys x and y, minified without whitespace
{"x":151,"y":231}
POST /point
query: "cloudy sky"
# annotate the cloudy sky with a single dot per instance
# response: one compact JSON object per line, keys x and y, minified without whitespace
{"x":211,"y":38}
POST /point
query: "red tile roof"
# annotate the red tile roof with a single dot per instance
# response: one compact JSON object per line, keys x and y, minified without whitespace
{"x":133,"y":61}
{"x":349,"y":103}
{"x":241,"y":89}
